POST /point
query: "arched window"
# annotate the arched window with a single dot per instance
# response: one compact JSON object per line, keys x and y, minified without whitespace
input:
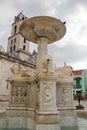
{"x":24,"y":47}
{"x":14,"y":47}
{"x":24,"y":40}
{"x":22,"y":18}
{"x":15,"y":40}
{"x":15,"y":29}
{"x":11,"y":41}
{"x":11,"y":49}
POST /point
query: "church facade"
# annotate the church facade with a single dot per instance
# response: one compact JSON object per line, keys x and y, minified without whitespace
{"x":17,"y":52}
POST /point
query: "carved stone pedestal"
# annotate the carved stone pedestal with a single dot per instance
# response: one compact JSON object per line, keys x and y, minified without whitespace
{"x":47,"y":121}
{"x":20,"y":117}
{"x":47,"y":115}
{"x":65,"y":103}
{"x":47,"y":127}
{"x":23,"y":101}
{"x":18,"y":93}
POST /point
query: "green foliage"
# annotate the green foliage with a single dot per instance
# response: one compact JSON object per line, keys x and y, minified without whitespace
{"x":79,"y":106}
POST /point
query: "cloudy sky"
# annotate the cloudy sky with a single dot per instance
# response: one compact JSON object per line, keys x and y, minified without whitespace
{"x":72,"y":48}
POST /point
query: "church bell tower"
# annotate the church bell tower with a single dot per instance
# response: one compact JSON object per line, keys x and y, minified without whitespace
{"x":16,"y":42}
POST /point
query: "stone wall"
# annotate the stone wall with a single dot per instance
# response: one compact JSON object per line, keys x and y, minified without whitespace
{"x":5,"y":72}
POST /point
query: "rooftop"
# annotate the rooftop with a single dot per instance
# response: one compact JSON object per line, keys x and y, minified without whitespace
{"x":77,"y":72}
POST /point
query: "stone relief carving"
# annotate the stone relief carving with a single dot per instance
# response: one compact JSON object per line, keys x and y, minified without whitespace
{"x":19,"y":73}
{"x":47,"y":94}
{"x":19,"y":95}
{"x":65,"y":98}
{"x":47,"y":64}
{"x":64,"y":73}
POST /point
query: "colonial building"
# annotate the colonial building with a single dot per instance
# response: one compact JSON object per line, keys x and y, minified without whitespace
{"x":17,"y":52}
{"x":80,"y":81}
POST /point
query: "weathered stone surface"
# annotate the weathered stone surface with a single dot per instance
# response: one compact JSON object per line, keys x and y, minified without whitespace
{"x":64,"y":74}
{"x":31,"y":124}
{"x":68,"y":121}
{"x":16,"y":112}
{"x":23,"y":94}
{"x":48,"y":127}
{"x":16,"y":122}
{"x":47,"y":95}
{"x":64,"y":92}
{"x":5,"y":73}
{"x":42,"y":26}
{"x":19,"y":74}
{"x":47,"y":118}
{"x":2,"y":123}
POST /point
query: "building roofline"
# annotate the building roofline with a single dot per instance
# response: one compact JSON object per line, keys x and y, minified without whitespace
{"x":14,"y":35}
{"x":13,"y":59}
{"x":23,"y":51}
{"x":77,"y":72}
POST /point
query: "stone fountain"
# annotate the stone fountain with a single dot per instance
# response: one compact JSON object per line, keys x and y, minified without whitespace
{"x":42,"y":100}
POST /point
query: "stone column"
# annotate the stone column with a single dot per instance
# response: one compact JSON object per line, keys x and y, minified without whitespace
{"x":42,"y":50}
{"x":47,"y":116}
